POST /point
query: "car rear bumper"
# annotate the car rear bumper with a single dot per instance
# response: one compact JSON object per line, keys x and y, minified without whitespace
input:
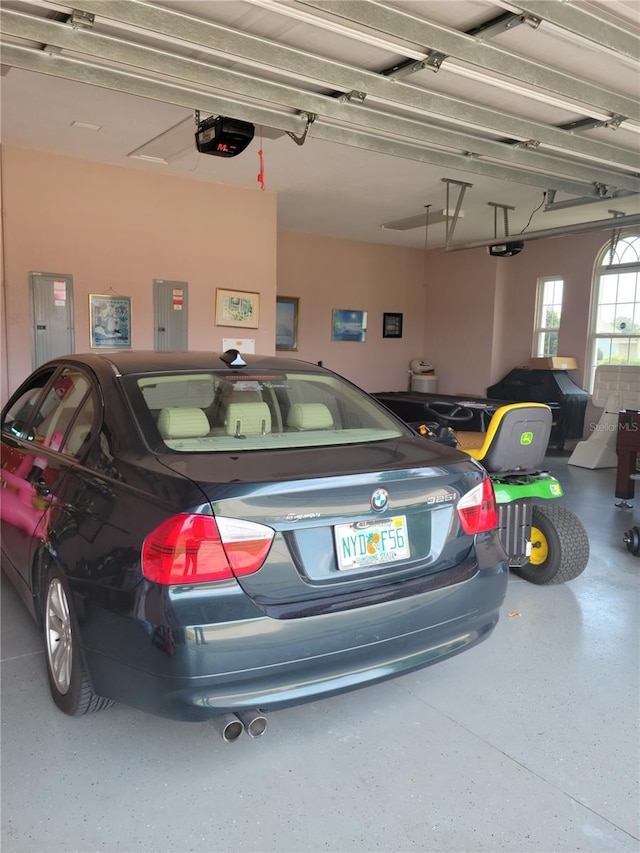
{"x":201,"y":671}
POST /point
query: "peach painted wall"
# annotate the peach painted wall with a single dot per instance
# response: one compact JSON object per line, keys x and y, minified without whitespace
{"x":480,"y":311}
{"x":327,"y":273}
{"x":114,"y":227}
{"x":502,"y":321}
{"x":459,"y":318}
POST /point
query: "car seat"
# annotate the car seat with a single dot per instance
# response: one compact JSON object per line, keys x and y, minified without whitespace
{"x":247,"y":419}
{"x":179,"y":422}
{"x":303,"y":416}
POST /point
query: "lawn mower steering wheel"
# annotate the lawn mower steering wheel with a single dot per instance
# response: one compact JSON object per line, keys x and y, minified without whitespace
{"x":454,"y":413}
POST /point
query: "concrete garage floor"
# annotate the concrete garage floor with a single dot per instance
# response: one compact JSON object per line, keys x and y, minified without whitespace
{"x":528,"y":742}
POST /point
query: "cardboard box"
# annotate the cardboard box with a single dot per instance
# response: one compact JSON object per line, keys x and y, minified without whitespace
{"x":555,"y":362}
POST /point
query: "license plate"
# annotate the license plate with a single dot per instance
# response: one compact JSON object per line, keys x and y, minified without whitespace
{"x":371,"y":543}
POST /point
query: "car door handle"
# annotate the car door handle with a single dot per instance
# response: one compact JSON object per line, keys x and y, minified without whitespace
{"x":42,"y":488}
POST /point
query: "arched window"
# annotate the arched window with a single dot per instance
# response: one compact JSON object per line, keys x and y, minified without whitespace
{"x":615,"y":331}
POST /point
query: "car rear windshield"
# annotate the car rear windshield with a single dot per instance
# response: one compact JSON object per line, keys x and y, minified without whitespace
{"x":211,"y":412}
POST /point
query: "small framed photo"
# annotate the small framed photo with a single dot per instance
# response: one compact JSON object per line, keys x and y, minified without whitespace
{"x":349,"y":325}
{"x":109,"y":321}
{"x":391,"y":325}
{"x":287,"y":323}
{"x":237,"y":308}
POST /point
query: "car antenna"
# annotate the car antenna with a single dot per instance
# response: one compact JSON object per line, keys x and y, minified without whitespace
{"x":233,"y":358}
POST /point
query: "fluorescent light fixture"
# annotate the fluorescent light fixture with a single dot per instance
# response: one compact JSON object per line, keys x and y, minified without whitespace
{"x":630,"y":125}
{"x":168,"y":145}
{"x":560,"y":231}
{"x":582,"y":108}
{"x":601,"y":14}
{"x":86,"y":125}
{"x":520,"y":88}
{"x":346,"y":30}
{"x":438,"y":117}
{"x":149,"y":159}
{"x":420,"y":220}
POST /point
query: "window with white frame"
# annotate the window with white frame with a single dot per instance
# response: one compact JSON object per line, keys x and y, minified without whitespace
{"x":615,"y":332}
{"x":548,"y":315}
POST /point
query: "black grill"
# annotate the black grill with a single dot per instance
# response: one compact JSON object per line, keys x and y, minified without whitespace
{"x":555,"y":388}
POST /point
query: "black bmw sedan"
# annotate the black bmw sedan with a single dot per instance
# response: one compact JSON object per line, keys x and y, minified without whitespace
{"x":199,"y":533}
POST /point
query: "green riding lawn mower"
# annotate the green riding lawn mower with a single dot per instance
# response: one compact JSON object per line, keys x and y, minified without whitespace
{"x":545,"y":543}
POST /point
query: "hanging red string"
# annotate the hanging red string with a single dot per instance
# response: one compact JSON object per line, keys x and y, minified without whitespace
{"x":261,"y":161}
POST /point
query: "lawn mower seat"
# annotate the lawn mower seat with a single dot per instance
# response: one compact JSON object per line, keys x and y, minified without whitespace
{"x":516,"y":439}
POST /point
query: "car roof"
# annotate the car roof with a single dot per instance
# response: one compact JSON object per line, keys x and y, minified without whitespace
{"x":141,"y":361}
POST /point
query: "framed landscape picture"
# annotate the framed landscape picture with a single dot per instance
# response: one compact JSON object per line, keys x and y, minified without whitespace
{"x":349,"y":325}
{"x":237,"y":308}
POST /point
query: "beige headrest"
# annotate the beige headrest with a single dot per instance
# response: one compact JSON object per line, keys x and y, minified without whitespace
{"x":248,"y":419}
{"x":309,"y":416}
{"x":182,"y":423}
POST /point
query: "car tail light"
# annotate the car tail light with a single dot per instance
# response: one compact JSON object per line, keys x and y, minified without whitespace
{"x":477,"y":509}
{"x":197,"y":548}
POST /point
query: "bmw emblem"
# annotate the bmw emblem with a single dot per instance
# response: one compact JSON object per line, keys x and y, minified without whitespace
{"x":379,"y":500}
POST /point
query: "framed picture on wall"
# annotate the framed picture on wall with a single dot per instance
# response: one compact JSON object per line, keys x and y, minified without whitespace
{"x":237,"y":308}
{"x":109,"y":320}
{"x":287,"y":323}
{"x":391,"y":325}
{"x":349,"y":325}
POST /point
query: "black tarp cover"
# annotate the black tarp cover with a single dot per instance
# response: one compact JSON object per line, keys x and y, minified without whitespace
{"x":546,"y":386}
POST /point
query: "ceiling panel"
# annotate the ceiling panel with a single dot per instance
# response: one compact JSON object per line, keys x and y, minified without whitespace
{"x":391,"y":103}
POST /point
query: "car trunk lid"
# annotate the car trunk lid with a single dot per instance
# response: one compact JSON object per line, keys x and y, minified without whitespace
{"x":341,"y":534}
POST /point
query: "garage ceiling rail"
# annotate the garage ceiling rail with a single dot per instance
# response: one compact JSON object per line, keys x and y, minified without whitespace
{"x":369,"y":82}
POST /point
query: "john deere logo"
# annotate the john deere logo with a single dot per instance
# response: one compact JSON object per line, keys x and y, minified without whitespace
{"x":526,"y":438}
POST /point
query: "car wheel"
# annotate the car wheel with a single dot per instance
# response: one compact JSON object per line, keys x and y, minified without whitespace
{"x":560,"y":546}
{"x":68,"y":680}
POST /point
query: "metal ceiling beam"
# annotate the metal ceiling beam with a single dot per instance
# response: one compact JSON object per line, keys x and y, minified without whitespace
{"x":560,"y":231}
{"x":433,"y":59}
{"x":416,"y":30}
{"x":459,"y":162}
{"x":58,"y":65}
{"x":347,"y":78}
{"x":584,"y":23}
{"x":552,"y":204}
{"x":113,"y":49}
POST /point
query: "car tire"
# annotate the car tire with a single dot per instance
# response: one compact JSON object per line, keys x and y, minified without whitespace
{"x":68,"y":679}
{"x":560,"y":546}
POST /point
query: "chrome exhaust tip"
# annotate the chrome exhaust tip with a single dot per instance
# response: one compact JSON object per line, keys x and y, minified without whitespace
{"x":255,"y":723}
{"x":228,"y":726}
